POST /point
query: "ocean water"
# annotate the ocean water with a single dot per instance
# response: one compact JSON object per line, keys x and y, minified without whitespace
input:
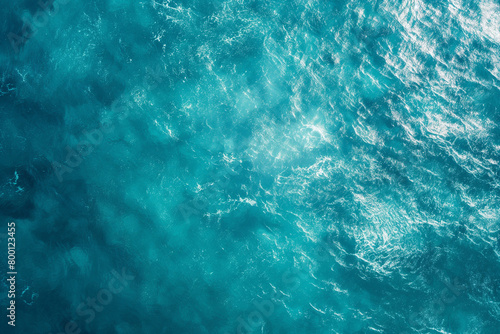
{"x":234,"y":167}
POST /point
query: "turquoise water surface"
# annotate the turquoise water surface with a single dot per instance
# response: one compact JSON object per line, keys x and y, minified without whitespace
{"x":234,"y":167}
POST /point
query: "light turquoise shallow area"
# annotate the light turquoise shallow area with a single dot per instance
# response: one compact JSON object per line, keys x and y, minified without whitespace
{"x":271,"y":167}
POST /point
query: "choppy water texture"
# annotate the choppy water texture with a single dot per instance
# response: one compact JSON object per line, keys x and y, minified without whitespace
{"x":256,"y":166}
